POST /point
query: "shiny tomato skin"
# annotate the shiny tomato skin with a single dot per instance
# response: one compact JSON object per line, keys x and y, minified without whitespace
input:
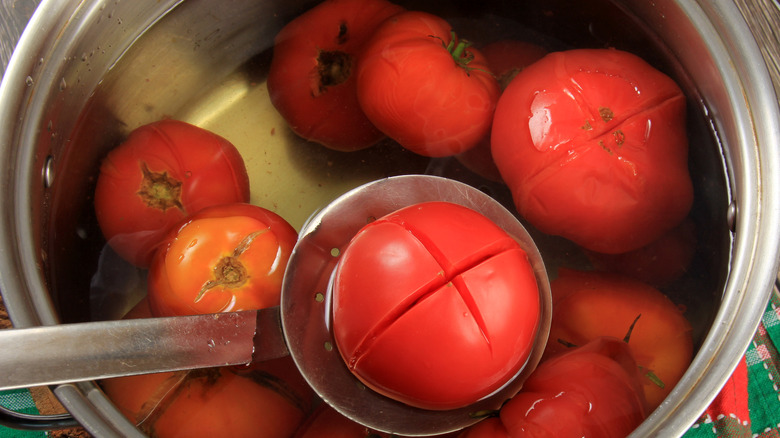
{"x":661,"y":340}
{"x":224,"y":258}
{"x":505,"y":58}
{"x":433,"y":294}
{"x":593,"y":145}
{"x":204,"y":168}
{"x":212,"y":402}
{"x":590,"y":391}
{"x":411,"y":88}
{"x":269,"y":399}
{"x":311,"y":80}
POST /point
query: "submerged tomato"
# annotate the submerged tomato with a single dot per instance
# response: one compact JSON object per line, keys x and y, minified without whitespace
{"x":659,"y":263}
{"x":505,"y":58}
{"x":162,"y":173}
{"x":326,"y":422}
{"x":660,"y":341}
{"x":591,"y":391}
{"x":435,"y":306}
{"x":593,"y":145}
{"x":269,"y":399}
{"x":264,"y":401}
{"x":225,"y":258}
{"x":424,"y":88}
{"x":311,"y":80}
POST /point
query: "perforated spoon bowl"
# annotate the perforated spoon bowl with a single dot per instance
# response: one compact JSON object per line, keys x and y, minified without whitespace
{"x":306,"y":311}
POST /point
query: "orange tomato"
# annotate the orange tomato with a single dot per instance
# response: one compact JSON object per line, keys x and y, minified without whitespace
{"x":589,"y":305}
{"x":266,"y":400}
{"x":657,"y":264}
{"x":326,"y":422}
{"x":225,"y":258}
{"x":269,"y":399}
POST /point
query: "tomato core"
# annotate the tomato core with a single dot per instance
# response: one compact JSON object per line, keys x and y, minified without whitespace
{"x":229,"y":273}
{"x":159,"y":190}
{"x":333,"y":67}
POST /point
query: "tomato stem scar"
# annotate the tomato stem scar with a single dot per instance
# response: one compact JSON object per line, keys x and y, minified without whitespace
{"x":620,"y":137}
{"x":159,"y":190}
{"x":333,"y":68}
{"x":606,"y":114}
{"x":229,"y":272}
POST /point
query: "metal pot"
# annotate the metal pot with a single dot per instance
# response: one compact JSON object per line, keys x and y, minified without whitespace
{"x":86,"y":73}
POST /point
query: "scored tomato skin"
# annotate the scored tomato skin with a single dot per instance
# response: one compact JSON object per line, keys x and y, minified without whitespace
{"x":593,"y":145}
{"x":411,"y":88}
{"x":318,"y":104}
{"x":208,"y":169}
{"x":660,"y":341}
{"x":225,"y":258}
{"x":405,"y":277}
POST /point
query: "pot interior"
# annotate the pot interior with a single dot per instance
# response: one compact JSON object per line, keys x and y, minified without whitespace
{"x":207,"y":66}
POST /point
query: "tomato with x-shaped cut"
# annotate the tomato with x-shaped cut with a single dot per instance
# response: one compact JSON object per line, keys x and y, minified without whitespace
{"x":435,"y":305}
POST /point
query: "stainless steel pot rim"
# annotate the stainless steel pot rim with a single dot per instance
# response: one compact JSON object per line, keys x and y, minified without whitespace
{"x":757,"y":197}
{"x":757,"y":237}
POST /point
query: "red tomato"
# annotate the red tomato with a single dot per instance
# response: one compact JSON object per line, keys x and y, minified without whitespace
{"x":659,"y":263}
{"x":593,"y":145}
{"x":214,"y":402}
{"x":311,"y":80}
{"x":488,"y":428}
{"x":225,"y":258}
{"x":660,"y":341}
{"x":163,"y":172}
{"x":591,"y":391}
{"x":505,"y":58}
{"x":269,"y":399}
{"x":434,"y":306}
{"x":326,"y":422}
{"x":424,"y":88}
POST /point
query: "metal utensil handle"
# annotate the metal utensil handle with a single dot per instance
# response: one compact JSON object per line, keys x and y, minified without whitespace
{"x":87,"y":351}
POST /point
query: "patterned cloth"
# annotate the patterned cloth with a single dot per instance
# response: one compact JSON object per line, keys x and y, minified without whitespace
{"x":748,"y":405}
{"x":19,"y":400}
